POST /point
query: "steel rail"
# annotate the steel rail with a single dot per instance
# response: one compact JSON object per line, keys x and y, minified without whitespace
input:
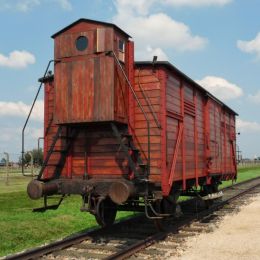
{"x":136,"y":247}
{"x":132,"y":249}
{"x":66,"y":242}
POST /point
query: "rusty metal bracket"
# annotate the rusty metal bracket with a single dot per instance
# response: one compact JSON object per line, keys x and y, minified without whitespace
{"x":148,"y":205}
{"x":46,"y":207}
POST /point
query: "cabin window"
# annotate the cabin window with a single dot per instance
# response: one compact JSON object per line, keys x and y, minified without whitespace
{"x":121,"y":50}
{"x":82,"y":43}
{"x":121,"y":46}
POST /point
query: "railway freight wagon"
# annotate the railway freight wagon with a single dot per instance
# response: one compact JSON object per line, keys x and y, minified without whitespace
{"x":128,"y":135}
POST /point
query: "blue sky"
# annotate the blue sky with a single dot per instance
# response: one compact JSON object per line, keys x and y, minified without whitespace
{"x":216,"y":42}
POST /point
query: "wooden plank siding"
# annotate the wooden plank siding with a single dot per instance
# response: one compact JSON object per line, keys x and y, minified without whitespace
{"x":148,"y":90}
{"x":89,"y":87}
{"x":97,"y":153}
{"x":194,"y":142}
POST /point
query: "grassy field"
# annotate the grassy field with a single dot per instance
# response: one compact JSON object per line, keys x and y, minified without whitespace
{"x":20,"y":228}
{"x":243,"y":175}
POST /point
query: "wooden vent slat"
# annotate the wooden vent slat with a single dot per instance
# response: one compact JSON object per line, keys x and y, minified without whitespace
{"x":189,"y":108}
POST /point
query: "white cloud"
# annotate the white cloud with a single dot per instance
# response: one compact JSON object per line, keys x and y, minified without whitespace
{"x":149,"y":52}
{"x":8,"y":133}
{"x":34,"y":132}
{"x":17,"y":59}
{"x":252,"y":46}
{"x":160,"y":30}
{"x":197,"y":3}
{"x":247,"y":126}
{"x":27,"y":5}
{"x":154,"y":32}
{"x":221,"y":88}
{"x":10,"y":139}
{"x":65,"y":4}
{"x":20,"y":109}
{"x":255,"y":98}
{"x":141,"y":7}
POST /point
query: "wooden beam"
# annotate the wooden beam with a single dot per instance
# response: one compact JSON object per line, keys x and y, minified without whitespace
{"x":175,"y":155}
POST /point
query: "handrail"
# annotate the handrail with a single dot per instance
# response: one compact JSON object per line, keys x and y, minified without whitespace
{"x":148,"y":102}
{"x":140,"y":106}
{"x":28,"y":117}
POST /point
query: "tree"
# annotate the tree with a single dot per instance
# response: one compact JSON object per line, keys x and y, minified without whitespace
{"x":37,"y":157}
{"x":3,"y":162}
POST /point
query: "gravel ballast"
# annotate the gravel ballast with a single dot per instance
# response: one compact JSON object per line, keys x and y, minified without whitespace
{"x":236,"y":237}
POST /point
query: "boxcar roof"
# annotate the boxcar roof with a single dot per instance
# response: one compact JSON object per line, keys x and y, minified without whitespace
{"x":89,"y":21}
{"x":191,"y":81}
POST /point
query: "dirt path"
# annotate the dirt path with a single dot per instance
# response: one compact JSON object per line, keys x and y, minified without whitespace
{"x":237,"y":237}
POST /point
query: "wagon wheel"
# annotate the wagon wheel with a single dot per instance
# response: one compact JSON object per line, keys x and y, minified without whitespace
{"x":162,"y":206}
{"x":105,"y":212}
{"x":159,"y":223}
{"x":167,"y":205}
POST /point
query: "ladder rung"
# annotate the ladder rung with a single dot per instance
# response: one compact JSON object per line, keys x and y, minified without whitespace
{"x":127,"y":136}
{"x":54,"y":165}
{"x":59,"y":151}
{"x":66,"y":137}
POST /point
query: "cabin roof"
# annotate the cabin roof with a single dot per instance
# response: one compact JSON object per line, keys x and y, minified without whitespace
{"x":89,"y":21}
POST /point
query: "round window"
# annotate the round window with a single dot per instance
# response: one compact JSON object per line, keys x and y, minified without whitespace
{"x":82,"y":43}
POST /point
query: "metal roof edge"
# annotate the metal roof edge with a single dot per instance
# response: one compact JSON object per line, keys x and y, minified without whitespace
{"x":88,"y":21}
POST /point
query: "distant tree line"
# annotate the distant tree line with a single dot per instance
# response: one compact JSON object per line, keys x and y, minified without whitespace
{"x":3,"y":162}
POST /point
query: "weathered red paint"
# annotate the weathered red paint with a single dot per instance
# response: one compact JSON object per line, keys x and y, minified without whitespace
{"x":191,"y":143}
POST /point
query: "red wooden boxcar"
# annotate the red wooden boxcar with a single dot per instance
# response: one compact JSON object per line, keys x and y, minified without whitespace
{"x":128,"y":135}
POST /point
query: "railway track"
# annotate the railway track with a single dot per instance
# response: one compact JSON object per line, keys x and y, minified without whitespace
{"x":138,"y":238}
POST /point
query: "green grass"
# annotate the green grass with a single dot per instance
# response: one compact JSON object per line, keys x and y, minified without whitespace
{"x":20,"y":228}
{"x":15,"y":183}
{"x":244,"y":174}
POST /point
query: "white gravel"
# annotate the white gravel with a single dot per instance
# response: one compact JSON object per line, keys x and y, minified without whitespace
{"x":237,"y":237}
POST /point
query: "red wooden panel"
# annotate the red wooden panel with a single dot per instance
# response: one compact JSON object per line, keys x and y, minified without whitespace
{"x":90,"y":29}
{"x":148,"y":90}
{"x":188,"y":92}
{"x":89,"y":86}
{"x":66,"y":44}
{"x":84,"y":90}
{"x":121,"y":96}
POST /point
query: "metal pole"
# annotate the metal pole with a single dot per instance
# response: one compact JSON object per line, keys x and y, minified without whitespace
{"x":140,"y":106}
{"x":31,"y":163}
{"x":38,"y":159}
{"x":7,"y":168}
{"x":27,"y":119}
